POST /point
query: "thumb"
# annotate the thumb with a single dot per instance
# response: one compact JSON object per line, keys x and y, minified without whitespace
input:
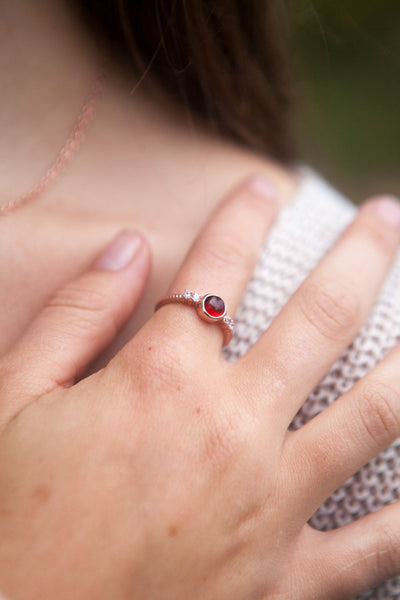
{"x":79,"y":321}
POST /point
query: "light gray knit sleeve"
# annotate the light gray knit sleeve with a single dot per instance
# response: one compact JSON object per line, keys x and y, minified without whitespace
{"x":306,"y":228}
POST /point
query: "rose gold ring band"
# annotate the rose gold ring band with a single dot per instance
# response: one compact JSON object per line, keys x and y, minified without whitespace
{"x":209,"y":307}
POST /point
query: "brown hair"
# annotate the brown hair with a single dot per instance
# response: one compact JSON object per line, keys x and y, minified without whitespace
{"x":225,"y":60}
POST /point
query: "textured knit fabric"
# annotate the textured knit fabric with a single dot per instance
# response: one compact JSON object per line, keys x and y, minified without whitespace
{"x":305,"y":229}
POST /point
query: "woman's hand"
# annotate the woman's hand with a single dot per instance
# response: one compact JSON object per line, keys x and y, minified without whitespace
{"x":171,"y":474}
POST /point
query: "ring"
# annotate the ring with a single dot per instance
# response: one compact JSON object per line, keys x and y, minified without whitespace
{"x":210,"y":308}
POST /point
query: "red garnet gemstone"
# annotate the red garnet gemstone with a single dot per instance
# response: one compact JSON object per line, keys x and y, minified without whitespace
{"x":214,"y":306}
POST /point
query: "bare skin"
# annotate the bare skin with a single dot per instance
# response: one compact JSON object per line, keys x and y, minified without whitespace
{"x":171,"y":474}
{"x":142,"y":167}
{"x":148,"y":471}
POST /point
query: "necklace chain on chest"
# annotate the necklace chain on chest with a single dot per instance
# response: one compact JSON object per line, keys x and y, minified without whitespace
{"x":69,"y":149}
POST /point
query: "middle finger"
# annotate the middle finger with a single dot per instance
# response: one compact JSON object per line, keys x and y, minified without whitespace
{"x":325,"y":314}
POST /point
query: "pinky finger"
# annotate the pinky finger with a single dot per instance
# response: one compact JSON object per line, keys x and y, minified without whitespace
{"x":75,"y":325}
{"x":360,"y":555}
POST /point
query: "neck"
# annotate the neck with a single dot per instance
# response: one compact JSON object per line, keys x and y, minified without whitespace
{"x":47,"y":64}
{"x":138,"y":150}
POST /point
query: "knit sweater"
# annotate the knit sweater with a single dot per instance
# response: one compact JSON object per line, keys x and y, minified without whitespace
{"x":306,"y":228}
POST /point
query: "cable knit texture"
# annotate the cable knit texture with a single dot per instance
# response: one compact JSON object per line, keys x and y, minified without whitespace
{"x":305,"y":229}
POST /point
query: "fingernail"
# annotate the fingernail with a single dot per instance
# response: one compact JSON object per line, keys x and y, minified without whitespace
{"x":388,"y":209}
{"x":263,"y":187}
{"x":120,"y":252}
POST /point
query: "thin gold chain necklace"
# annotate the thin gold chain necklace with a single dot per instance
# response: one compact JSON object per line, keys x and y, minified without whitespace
{"x":70,"y":147}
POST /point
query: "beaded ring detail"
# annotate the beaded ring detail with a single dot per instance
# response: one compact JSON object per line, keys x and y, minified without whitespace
{"x":210,"y":308}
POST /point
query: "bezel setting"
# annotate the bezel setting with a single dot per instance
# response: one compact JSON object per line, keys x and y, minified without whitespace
{"x":210,"y":308}
{"x":210,"y":317}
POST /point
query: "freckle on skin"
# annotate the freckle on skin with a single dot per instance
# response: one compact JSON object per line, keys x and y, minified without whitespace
{"x":173,"y":531}
{"x":41,"y":493}
{"x":198,"y":411}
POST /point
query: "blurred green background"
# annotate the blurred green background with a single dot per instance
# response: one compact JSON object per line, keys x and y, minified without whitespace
{"x":347,"y":63}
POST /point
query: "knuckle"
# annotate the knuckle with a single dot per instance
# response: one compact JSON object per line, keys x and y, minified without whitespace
{"x":378,"y":407}
{"x":223,"y":250}
{"x":331,"y":306}
{"x":227,"y":434}
{"x":158,"y":366}
{"x":85,"y":308}
{"x":387,"y":552}
{"x":216,"y":446}
{"x":76,"y":297}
